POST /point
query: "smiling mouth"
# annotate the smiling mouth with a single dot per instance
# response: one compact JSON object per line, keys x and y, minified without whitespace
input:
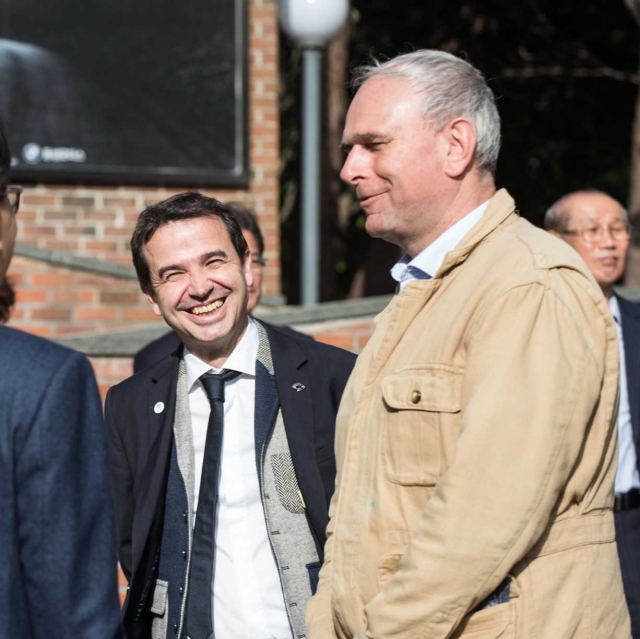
{"x":209,"y":309}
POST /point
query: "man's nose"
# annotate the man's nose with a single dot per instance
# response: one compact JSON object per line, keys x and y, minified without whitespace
{"x":354,"y":166}
{"x":200,"y":285}
{"x":606,"y":237}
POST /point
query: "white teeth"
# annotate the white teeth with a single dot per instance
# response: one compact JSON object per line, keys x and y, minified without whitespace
{"x":214,"y":306}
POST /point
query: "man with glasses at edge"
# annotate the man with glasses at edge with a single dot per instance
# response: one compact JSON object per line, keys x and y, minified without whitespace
{"x":597,"y":227}
{"x":57,"y":543}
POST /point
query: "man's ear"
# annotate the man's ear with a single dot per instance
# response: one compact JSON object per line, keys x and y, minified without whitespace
{"x":151,"y":298}
{"x":461,"y":137}
{"x":248,"y":273}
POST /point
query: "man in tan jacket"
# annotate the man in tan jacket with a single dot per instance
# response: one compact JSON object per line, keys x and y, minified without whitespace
{"x":476,"y":440}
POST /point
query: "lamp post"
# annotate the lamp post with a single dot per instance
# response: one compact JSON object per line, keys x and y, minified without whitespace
{"x":311,"y":23}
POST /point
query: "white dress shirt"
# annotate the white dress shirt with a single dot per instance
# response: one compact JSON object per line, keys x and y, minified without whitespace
{"x":247,"y":596}
{"x":627,"y":476}
{"x":426,"y":264}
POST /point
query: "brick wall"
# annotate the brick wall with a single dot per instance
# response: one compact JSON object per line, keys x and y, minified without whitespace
{"x":53,"y":301}
{"x":97,"y":221}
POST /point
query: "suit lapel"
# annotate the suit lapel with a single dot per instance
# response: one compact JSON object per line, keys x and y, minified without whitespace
{"x":266,"y":410}
{"x":630,"y":315}
{"x":155,"y":452}
{"x":294,"y":392}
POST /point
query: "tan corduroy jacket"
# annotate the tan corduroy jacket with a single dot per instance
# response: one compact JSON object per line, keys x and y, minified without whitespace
{"x":476,"y":442}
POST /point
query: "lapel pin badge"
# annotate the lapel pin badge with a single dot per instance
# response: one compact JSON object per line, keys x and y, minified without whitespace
{"x":158,"y":408}
{"x":298,"y":387}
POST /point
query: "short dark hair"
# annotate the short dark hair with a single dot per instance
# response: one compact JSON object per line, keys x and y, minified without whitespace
{"x":184,"y":206}
{"x":248,"y":222}
{"x":5,"y":159}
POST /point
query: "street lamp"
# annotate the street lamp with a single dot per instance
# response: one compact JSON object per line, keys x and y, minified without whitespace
{"x":311,"y":23}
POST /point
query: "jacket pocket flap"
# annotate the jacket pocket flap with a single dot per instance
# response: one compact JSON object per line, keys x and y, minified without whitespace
{"x":433,"y":388}
{"x":159,"y":605}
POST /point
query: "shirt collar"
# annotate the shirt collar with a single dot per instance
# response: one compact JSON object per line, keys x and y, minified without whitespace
{"x":614,"y":307}
{"x":242,"y":359}
{"x":431,"y":258}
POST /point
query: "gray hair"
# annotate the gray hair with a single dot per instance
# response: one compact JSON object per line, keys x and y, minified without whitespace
{"x":450,"y":88}
{"x":557,"y":216}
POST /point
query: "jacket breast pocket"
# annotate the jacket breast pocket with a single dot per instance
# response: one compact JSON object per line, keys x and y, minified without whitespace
{"x":421,"y":403}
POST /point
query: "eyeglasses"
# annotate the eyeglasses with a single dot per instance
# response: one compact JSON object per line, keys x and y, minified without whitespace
{"x":593,"y":234}
{"x":12,"y":194}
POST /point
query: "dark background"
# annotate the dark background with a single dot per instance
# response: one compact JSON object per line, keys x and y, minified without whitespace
{"x":146,"y":88}
{"x":565,"y":77}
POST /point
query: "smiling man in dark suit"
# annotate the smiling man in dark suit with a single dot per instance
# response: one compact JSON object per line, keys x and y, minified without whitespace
{"x":57,"y":544}
{"x":249,"y":460}
{"x":168,"y":343}
{"x":597,"y":227}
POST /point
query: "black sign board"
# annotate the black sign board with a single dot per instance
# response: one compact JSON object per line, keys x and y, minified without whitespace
{"x":125,"y":91}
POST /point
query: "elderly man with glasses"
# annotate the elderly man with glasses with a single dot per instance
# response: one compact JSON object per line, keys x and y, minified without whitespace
{"x":597,"y":227}
{"x":57,"y":544}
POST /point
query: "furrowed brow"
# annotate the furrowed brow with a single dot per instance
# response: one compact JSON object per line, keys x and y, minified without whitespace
{"x":362,"y":139}
{"x":203,"y":258}
{"x":170,"y":267}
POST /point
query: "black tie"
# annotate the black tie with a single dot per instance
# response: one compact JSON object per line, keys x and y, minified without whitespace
{"x":199,"y":609}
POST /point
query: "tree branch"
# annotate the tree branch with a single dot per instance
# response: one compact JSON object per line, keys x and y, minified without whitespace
{"x":558,"y":71}
{"x":634,"y":8}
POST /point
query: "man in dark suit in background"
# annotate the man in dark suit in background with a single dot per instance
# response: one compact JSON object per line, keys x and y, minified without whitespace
{"x":57,"y":545}
{"x":258,"y":487}
{"x":597,"y":227}
{"x":168,"y":343}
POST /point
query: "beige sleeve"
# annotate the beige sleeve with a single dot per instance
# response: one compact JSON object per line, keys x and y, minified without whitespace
{"x":529,"y":388}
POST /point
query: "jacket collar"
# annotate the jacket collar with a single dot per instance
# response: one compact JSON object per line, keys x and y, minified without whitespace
{"x":501,"y":208}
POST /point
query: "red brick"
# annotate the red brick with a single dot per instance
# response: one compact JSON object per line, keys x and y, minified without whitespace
{"x":71,"y":330}
{"x":51,"y":279}
{"x":43,"y":331}
{"x":79,"y":230}
{"x":31,"y":295}
{"x":37,"y":231}
{"x":100,"y":215}
{"x":83,"y":202}
{"x":60,"y":245}
{"x":59,"y":215}
{"x":73,"y":297}
{"x":31,"y":199}
{"x":51,"y":313}
{"x":335,"y":339}
{"x":100,"y":245}
{"x":139,"y":315}
{"x":96,"y":314}
{"x":120,"y":297}
{"x":119,"y":201}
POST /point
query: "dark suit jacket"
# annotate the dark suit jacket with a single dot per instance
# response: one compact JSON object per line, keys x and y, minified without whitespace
{"x":630,"y":315}
{"x":140,"y":444}
{"x":57,"y":543}
{"x":167,"y":344}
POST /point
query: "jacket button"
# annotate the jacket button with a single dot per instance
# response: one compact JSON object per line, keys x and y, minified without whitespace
{"x":175,"y":627}
{"x":184,"y":554}
{"x":181,"y":589}
{"x":416,"y":396}
{"x":184,"y":516}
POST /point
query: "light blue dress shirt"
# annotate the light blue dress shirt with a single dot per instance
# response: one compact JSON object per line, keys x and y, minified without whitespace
{"x":426,"y":264}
